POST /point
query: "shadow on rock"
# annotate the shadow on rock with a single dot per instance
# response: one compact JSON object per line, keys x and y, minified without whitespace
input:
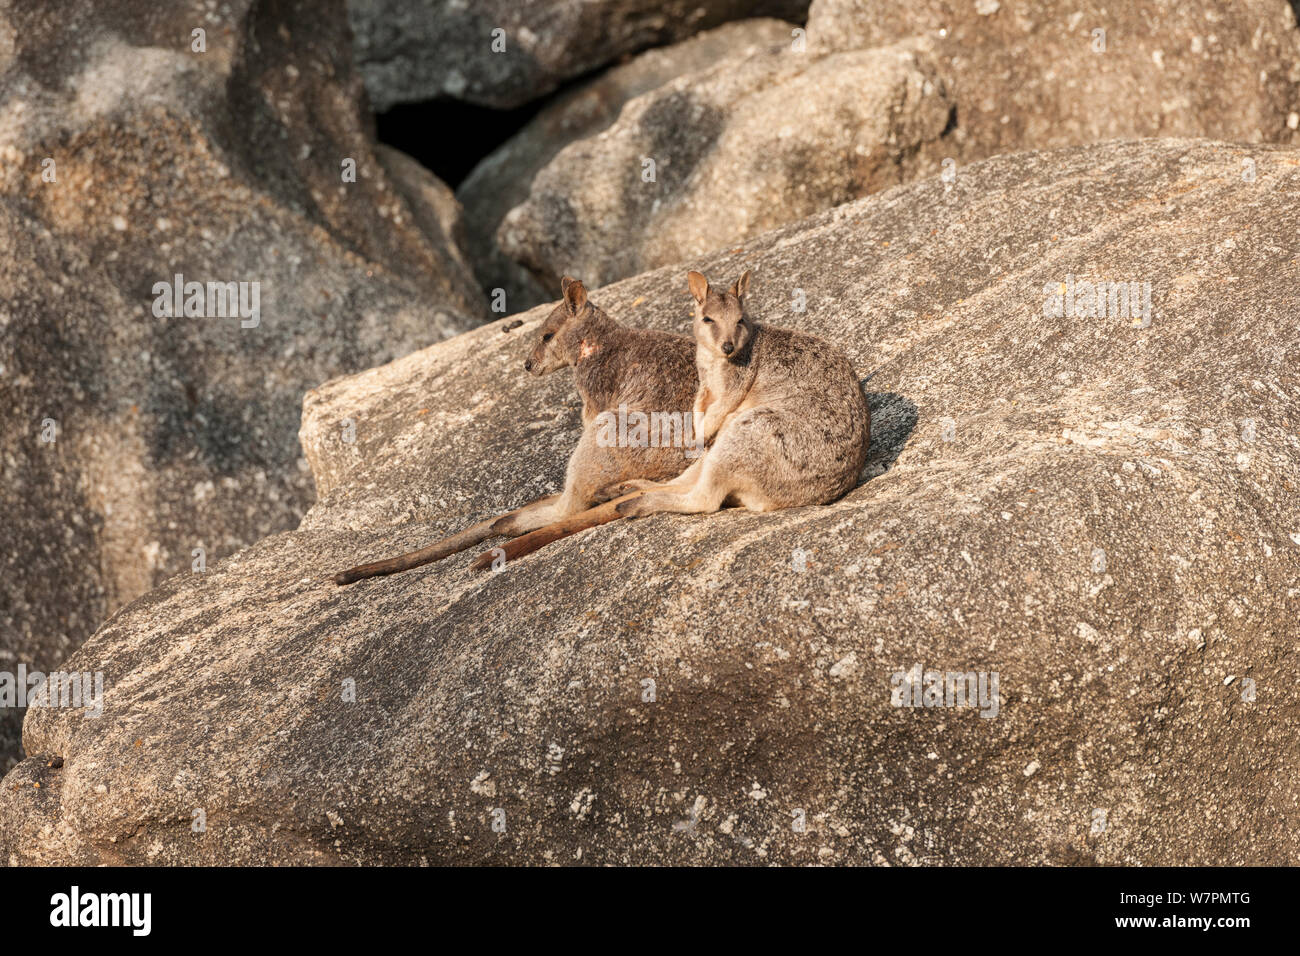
{"x":893,"y":417}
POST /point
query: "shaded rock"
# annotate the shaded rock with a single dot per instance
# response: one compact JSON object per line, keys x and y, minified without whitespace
{"x":716,"y":156}
{"x":501,"y":181}
{"x":421,"y":51}
{"x":128,"y":155}
{"x":1101,"y":510}
{"x":437,"y":212}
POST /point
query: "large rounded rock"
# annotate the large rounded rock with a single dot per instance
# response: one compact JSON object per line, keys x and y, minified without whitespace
{"x":505,"y":53}
{"x":716,"y":156}
{"x":501,"y":181}
{"x":1099,"y":508}
{"x":1057,"y":72}
{"x":137,"y":146}
{"x":750,"y":146}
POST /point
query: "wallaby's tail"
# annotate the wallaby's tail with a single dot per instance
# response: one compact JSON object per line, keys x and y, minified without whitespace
{"x":471,"y":536}
{"x":535,"y":540}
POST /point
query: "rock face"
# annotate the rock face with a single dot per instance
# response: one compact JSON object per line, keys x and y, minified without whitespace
{"x":727,"y":153}
{"x":504,"y":53}
{"x":501,"y":181}
{"x":1058,"y":72}
{"x":133,"y":150}
{"x":746,"y":147}
{"x":1099,"y":508}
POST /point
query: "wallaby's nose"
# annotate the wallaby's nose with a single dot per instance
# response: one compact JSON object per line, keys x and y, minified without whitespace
{"x":727,"y":348}
{"x":528,"y":365}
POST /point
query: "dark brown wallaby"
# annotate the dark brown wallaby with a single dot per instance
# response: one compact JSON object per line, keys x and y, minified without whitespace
{"x":783,"y":414}
{"x":618,"y":372}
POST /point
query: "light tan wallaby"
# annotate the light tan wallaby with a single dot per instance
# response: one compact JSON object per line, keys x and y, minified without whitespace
{"x":640,"y":370}
{"x":784,"y":413}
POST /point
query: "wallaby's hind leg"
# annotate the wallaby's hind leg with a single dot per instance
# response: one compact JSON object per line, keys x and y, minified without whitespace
{"x":533,"y":515}
{"x":683,"y":481}
{"x":541,"y":511}
{"x":587,"y":472}
{"x":706,"y":494}
{"x":701,"y":497}
{"x":726,"y":473}
{"x":533,"y":540}
{"x":737,"y":469}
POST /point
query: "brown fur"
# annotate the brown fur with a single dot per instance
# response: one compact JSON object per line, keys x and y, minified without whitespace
{"x":644,"y":370}
{"x":784,"y":413}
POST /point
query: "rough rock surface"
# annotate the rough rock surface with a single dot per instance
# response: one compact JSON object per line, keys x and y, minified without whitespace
{"x":1016,"y":75}
{"x":222,"y":165}
{"x":1039,"y":74}
{"x":718,"y":155}
{"x":501,"y":181}
{"x":1100,"y":510}
{"x":421,"y":51}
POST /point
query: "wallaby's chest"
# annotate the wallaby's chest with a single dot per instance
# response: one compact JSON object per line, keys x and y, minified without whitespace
{"x":723,"y":382}
{"x":715,"y":383}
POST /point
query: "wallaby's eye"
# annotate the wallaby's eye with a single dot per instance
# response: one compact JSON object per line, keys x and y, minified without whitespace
{"x":548,"y":336}
{"x":707,"y":320}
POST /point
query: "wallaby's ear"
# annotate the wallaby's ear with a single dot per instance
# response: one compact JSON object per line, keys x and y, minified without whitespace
{"x":575,"y":293}
{"x":699,"y":286}
{"x":741,"y":286}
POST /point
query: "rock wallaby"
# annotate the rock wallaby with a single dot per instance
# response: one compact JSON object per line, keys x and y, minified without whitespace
{"x":617,"y":370}
{"x":782,"y":411}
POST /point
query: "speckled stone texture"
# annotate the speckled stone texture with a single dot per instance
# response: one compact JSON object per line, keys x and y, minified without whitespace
{"x":502,"y":179}
{"x":504,"y":53}
{"x":221,"y":165}
{"x":888,"y":91}
{"x":1103,"y":511}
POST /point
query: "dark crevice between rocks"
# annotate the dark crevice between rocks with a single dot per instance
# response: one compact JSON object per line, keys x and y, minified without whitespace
{"x":450,"y":137}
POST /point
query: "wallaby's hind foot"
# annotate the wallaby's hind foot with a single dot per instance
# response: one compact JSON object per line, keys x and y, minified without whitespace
{"x":534,"y":540}
{"x":701,"y":499}
{"x":683,"y":482}
{"x":475,"y":534}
